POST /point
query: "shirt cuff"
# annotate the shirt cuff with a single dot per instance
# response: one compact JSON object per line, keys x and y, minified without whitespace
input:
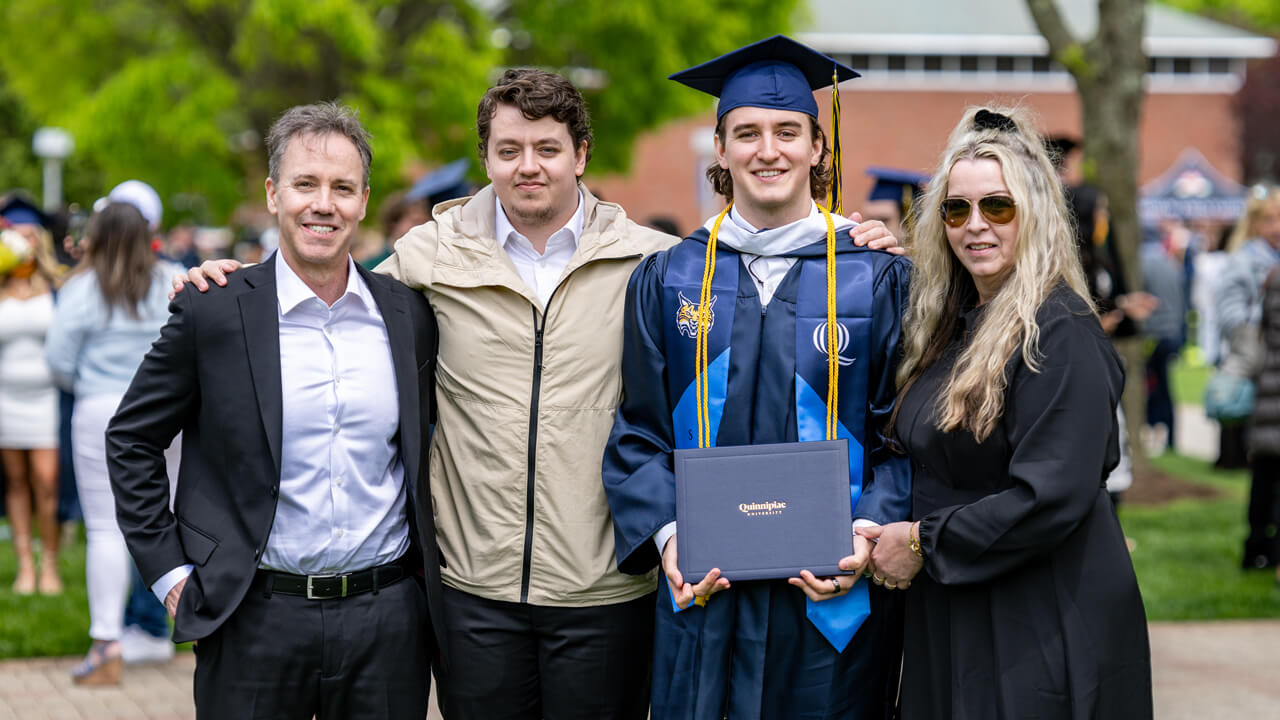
{"x":664,"y":534}
{"x":170,"y":580}
{"x":863,"y":522}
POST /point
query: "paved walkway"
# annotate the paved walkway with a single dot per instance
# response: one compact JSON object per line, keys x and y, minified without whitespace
{"x":1203,"y":670}
{"x":1196,"y":435}
{"x":42,"y":690}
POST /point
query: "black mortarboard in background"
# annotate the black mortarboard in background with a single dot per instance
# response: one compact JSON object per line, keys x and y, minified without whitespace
{"x":902,"y":186}
{"x":1059,"y":147}
{"x":17,"y":210}
{"x":446,"y":183}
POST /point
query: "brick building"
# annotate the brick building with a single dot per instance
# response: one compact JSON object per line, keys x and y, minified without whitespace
{"x":923,"y":61}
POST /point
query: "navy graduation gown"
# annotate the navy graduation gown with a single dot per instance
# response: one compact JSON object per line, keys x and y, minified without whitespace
{"x":752,"y":652}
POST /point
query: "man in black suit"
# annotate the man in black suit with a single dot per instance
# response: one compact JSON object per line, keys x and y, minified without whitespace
{"x":302,"y":525}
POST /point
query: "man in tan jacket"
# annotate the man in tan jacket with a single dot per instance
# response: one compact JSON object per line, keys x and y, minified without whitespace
{"x":527,"y":279}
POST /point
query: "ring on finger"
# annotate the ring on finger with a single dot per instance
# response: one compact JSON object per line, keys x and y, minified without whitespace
{"x":877,"y":579}
{"x":835,"y":585}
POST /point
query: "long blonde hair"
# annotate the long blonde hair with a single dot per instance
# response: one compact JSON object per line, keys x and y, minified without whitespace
{"x":1045,"y":255}
{"x":1261,"y":197}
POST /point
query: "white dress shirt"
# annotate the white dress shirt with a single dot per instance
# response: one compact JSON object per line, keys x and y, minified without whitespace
{"x":342,"y":496}
{"x":540,"y":271}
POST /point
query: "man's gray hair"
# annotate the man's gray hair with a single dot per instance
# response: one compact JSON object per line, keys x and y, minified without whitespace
{"x":317,"y":119}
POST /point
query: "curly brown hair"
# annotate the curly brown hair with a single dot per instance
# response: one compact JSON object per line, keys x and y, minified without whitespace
{"x":819,"y":175}
{"x":536,"y":94}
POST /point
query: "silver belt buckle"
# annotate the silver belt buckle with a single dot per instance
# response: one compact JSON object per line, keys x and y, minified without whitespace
{"x":311,"y":595}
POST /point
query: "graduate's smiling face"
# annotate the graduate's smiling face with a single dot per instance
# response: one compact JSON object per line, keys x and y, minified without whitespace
{"x":768,"y":154}
{"x":534,"y":168}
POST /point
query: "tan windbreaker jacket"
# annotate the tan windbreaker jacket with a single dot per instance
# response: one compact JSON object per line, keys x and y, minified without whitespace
{"x":526,"y":397}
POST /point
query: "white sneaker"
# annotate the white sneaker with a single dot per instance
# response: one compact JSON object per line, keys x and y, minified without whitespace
{"x":138,"y":646}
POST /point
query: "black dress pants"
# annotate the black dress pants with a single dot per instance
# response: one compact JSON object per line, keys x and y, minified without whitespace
{"x":363,"y":657}
{"x":516,"y":661}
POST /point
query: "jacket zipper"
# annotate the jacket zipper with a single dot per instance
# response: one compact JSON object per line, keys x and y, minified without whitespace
{"x":526,"y":567}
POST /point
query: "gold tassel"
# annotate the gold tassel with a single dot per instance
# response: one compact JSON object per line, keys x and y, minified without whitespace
{"x":833,"y":196}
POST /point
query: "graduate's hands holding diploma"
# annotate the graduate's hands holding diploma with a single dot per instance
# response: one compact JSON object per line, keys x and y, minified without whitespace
{"x":818,"y":589}
{"x":683,"y":592}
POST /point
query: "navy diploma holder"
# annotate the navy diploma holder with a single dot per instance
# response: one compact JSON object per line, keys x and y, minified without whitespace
{"x":760,"y":512}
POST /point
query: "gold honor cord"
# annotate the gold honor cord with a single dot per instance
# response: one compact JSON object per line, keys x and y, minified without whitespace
{"x":833,"y":347}
{"x":701,"y":388}
{"x":704,"y":324}
{"x":833,"y":198}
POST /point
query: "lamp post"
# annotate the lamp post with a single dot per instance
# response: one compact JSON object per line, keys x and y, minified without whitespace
{"x":52,"y":145}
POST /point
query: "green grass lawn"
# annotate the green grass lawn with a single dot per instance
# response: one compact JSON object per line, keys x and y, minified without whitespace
{"x":1187,"y":378}
{"x":36,"y":625}
{"x":1188,"y":551}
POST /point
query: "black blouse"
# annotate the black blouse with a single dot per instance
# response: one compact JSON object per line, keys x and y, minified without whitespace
{"x":1027,"y":605}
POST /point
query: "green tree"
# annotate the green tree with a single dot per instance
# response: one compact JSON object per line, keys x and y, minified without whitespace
{"x":620,"y":53}
{"x":20,"y":168}
{"x":1258,"y":101}
{"x":1109,"y":69}
{"x":1260,"y":15}
{"x":181,"y":92}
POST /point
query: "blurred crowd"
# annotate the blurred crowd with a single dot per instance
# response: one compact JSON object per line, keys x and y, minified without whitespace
{"x":82,"y":297}
{"x":1211,"y":297}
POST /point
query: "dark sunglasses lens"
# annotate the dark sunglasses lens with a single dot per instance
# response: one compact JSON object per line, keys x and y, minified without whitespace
{"x":955,"y":211}
{"x":999,"y":210}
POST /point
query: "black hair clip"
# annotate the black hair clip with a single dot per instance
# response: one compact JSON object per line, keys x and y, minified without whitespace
{"x":987,"y":120}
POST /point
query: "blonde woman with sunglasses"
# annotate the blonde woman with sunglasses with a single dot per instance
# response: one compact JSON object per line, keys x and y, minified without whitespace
{"x":1022,"y":600}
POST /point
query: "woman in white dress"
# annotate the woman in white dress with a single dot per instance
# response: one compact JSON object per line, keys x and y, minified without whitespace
{"x":29,"y":406}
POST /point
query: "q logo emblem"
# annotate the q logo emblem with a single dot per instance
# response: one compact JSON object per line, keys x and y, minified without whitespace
{"x":842,"y":342}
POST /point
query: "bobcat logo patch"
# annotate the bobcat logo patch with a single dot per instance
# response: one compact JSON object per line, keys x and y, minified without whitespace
{"x":687,"y":316}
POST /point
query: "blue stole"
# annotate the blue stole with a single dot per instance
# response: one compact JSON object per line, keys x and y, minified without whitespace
{"x":838,"y":619}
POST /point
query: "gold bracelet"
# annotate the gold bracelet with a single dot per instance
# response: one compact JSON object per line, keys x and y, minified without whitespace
{"x":913,"y":539}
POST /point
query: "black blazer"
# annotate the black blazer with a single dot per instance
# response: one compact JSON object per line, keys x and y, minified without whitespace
{"x":214,"y":374}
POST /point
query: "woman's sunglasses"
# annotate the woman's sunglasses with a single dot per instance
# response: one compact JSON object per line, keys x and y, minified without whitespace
{"x":997,"y":209}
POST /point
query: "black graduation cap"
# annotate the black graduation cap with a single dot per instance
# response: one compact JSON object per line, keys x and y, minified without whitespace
{"x":17,"y":210}
{"x":446,"y":183}
{"x":777,"y":73}
{"x":901,"y":186}
{"x":1058,"y":147}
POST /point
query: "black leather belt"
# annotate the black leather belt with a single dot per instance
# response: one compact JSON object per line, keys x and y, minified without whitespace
{"x":329,"y":587}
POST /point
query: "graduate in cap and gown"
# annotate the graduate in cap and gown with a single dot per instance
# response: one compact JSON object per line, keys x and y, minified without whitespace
{"x":892,"y":197}
{"x":769,"y":302}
